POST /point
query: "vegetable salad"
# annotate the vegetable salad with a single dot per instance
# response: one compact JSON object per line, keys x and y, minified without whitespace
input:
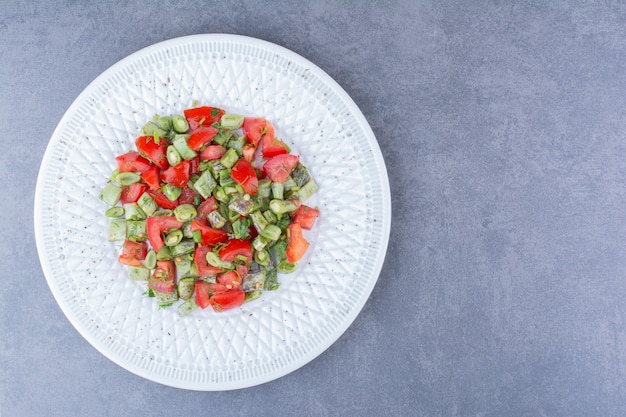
{"x":210,"y":207}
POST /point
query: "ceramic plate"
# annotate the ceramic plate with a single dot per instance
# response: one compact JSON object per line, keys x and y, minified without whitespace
{"x":268,"y":337}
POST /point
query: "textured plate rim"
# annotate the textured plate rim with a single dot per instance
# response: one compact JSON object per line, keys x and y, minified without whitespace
{"x":348,"y":319}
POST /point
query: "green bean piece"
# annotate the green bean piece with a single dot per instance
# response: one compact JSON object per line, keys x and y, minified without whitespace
{"x":165,"y":123}
{"x":117,"y":230}
{"x":185,"y":268}
{"x":270,"y":217}
{"x":205,"y":184}
{"x":262,"y":257}
{"x":225,"y":179}
{"x":187,"y":307}
{"x":220,"y":195}
{"x":229,"y":158}
{"x":289,"y":183}
{"x":185,"y":212}
{"x":187,"y":233}
{"x":173,"y":238}
{"x":180,"y":143}
{"x":252,"y":295}
{"x":151,"y":258}
{"x":271,"y":281}
{"x":300,"y":175}
{"x":259,"y":243}
{"x":197,"y":236}
{"x":147,"y":204}
{"x":173,"y":156}
{"x":278,"y":190}
{"x":180,"y":124}
{"x":222,"y":137}
{"x":163,"y":212}
{"x":111,"y":194}
{"x":231,"y":121}
{"x":186,"y":246}
{"x":242,"y":204}
{"x":286,"y":267}
{"x":138,"y":273}
{"x":258,"y":220}
{"x":253,"y":281}
{"x":133,"y":212}
{"x":213,"y":259}
{"x":136,"y":230}
{"x":306,"y":191}
{"x":282,"y":206}
{"x":114,"y":212}
{"x":114,"y":174}
{"x":127,"y":178}
{"x":152,"y":129}
{"x":265,"y":188}
{"x":236,"y":142}
{"x":215,"y":167}
{"x":216,"y":220}
{"x":172,"y":192}
{"x":271,"y":232}
{"x":164,"y":254}
{"x":166,"y":299}
{"x":204,"y":166}
{"x":186,"y":287}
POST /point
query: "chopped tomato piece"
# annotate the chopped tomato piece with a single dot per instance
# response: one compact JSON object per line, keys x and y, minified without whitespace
{"x":255,"y":128}
{"x":187,"y":196}
{"x":199,"y":257}
{"x":162,"y":200}
{"x":230,"y":279}
{"x":227,"y":300}
{"x":203,"y":116}
{"x":212,"y":152}
{"x":163,"y":278}
{"x":201,"y":136}
{"x":155,"y":226}
{"x":296,"y":243}
{"x":235,"y":248}
{"x":244,"y":174}
{"x":131,"y":193}
{"x":177,"y":175}
{"x":194,"y":165}
{"x":132,"y":162}
{"x":206,"y":207}
{"x":248,"y":152}
{"x":279,"y":167}
{"x":151,"y":177}
{"x":272,"y":146}
{"x":305,"y":216}
{"x":202,"y":293}
{"x":210,"y":236}
{"x":155,"y":152}
{"x":135,"y":250}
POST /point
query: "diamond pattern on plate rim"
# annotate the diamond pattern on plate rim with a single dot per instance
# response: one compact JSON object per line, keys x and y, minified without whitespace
{"x":264,"y":338}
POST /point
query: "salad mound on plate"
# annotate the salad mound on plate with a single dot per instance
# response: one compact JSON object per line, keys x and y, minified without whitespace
{"x":210,"y":208}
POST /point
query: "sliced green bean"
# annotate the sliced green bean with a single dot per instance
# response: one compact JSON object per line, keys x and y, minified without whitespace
{"x":216,"y":220}
{"x":242,"y":205}
{"x":286,"y":267}
{"x":132,"y":211}
{"x":265,"y":188}
{"x":259,"y":243}
{"x":164,"y":254}
{"x":205,"y":184}
{"x":136,"y":230}
{"x":173,"y":238}
{"x":117,"y":230}
{"x":147,"y":204}
{"x":138,"y":273}
{"x":151,"y":259}
{"x":163,"y":212}
{"x":282,"y":206}
{"x":185,"y":212}
{"x":165,"y":123}
{"x":173,"y":156}
{"x":262,"y":257}
{"x":114,"y":212}
{"x":213,"y":259}
{"x":186,"y":287}
{"x":258,"y":220}
{"x":229,"y":158}
{"x":180,"y":143}
{"x":231,"y":121}
{"x":180,"y":124}
{"x":172,"y":192}
{"x":111,"y":194}
{"x":271,"y":232}
{"x":278,"y":190}
{"x":187,"y":307}
{"x":127,"y":178}
{"x":186,"y":246}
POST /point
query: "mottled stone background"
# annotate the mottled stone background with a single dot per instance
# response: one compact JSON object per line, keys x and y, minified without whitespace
{"x":503,"y":127}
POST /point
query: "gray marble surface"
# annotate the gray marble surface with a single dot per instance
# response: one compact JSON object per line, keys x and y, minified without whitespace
{"x":503,"y":127}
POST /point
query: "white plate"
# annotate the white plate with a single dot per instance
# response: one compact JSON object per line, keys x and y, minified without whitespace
{"x":264,"y":339}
